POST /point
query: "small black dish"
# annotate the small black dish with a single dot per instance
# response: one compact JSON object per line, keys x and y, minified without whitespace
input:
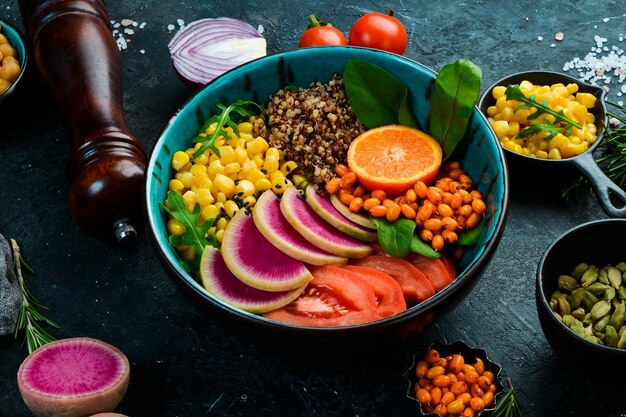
{"x":525,"y":169}
{"x":469,"y":354}
{"x":17,"y":40}
{"x":592,"y":243}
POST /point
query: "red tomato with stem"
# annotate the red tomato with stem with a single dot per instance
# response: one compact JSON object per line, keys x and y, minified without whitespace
{"x":335,"y":297}
{"x":379,"y":31}
{"x":321,"y":34}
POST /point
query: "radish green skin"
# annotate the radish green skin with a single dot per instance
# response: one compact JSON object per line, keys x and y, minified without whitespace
{"x":276,"y":229}
{"x":219,"y":281}
{"x":63,"y":404}
{"x":327,"y":211}
{"x":258,"y":263}
{"x":357,"y":218}
{"x":315,"y":229}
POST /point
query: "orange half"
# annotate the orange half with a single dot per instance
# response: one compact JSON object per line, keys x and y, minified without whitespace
{"x":393,"y":158}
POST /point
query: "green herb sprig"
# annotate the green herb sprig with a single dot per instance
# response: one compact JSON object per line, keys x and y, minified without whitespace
{"x":514,"y":92}
{"x":229,"y":117}
{"x":195,"y":234}
{"x":508,"y":405}
{"x":30,"y":318}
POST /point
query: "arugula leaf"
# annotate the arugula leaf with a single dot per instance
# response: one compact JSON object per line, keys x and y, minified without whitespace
{"x":423,"y":248}
{"x":240,"y":108}
{"x":550,"y":129}
{"x":395,"y":237}
{"x":455,"y":94}
{"x":194,"y":235}
{"x":469,"y":237}
{"x":377,"y":97}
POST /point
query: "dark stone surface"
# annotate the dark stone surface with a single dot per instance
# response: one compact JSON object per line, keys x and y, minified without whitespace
{"x":188,"y":361}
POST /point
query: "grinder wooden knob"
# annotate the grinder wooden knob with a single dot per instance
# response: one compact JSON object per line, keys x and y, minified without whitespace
{"x":78,"y":58}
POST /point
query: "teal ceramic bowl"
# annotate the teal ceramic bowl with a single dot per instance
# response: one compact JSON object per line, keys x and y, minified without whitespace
{"x":480,"y":155}
{"x":16,"y":39}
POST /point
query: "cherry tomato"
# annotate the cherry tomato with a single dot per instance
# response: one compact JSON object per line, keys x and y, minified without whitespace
{"x":321,"y":33}
{"x":335,"y":297}
{"x":379,"y":31}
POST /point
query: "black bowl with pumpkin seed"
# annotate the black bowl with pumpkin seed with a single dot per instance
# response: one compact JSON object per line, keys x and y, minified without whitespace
{"x":581,"y":295}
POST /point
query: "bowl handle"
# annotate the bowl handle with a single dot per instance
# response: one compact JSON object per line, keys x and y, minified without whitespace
{"x":607,"y":191}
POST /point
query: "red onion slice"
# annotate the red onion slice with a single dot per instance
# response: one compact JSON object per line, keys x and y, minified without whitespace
{"x":207,"y":48}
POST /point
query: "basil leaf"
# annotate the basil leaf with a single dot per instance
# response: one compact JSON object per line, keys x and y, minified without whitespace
{"x":395,"y":238}
{"x":470,"y":237}
{"x":423,"y":248}
{"x":455,"y":93}
{"x":377,"y":97}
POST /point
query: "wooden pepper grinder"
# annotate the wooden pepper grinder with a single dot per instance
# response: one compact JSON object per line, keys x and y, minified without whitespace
{"x":78,"y":58}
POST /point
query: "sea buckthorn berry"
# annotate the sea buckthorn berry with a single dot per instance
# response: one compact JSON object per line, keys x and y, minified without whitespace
{"x":358,"y":191}
{"x":341,"y":170}
{"x":479,"y":365}
{"x":370,"y":202}
{"x":465,"y":210}
{"x":420,"y":189}
{"x":454,"y":187}
{"x":446,"y":197}
{"x":476,"y":390}
{"x":479,"y":206}
{"x":471,"y":376}
{"x":484,"y":382}
{"x":455,"y":174}
{"x":488,"y":398}
{"x":466,"y":397}
{"x":453,"y":378}
{"x":447,"y":398}
{"x":441,"y":381}
{"x":431,"y":356}
{"x":477,"y":404}
{"x":388,"y":203}
{"x":411,"y":195}
{"x":437,"y":242}
{"x":443,"y":183}
{"x":407,"y":211}
{"x":457,"y":363}
{"x":433,"y":224}
{"x":467,"y":198}
{"x":476,"y":195}
{"x":356,"y":204}
{"x":450,"y":224}
{"x":456,"y":201}
{"x":421,"y":368}
{"x":441,"y":410}
{"x":379,"y":194}
{"x":435,"y":395}
{"x":347,"y":180}
{"x":468,"y":412}
{"x":400,"y":200}
{"x":449,"y":166}
{"x":378,"y":211}
{"x":393,"y":213}
{"x":466,"y":181}
{"x":425,"y":212}
{"x":445,"y":210}
{"x":434,"y":195}
{"x":472,"y":220}
{"x":423,"y":396}
{"x":346,"y":198}
{"x":467,"y":367}
{"x":449,"y":236}
{"x":426,"y":235}
{"x":459,"y":387}
{"x":492,"y":389}
{"x":434,"y":371}
{"x":332,"y":186}
{"x":347,"y":190}
{"x":489,"y":375}
{"x":442,"y":362}
{"x":456,"y":407}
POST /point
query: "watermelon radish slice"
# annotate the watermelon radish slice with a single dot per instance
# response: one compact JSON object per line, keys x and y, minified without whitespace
{"x":317,"y":231}
{"x":258,"y":263}
{"x":273,"y":225}
{"x":219,"y":281}
{"x":322,"y":206}
{"x":357,"y":218}
{"x":73,"y":378}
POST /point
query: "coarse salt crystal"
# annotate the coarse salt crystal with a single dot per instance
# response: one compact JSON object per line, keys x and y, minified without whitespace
{"x":116,"y":25}
{"x":143,"y":25}
{"x":129,"y":31}
{"x":552,"y":45}
{"x":127,"y":22}
{"x":260,"y":29}
{"x":142,"y":51}
{"x":613,"y":121}
{"x":135,"y":24}
{"x":180,"y":22}
{"x":623,"y":89}
{"x":171,"y":27}
{"x":621,"y":103}
{"x":559,"y":36}
{"x":606,"y":19}
{"x":539,"y":38}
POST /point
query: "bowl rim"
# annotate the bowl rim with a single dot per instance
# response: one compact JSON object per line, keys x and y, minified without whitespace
{"x":539,"y":279}
{"x":601,"y":101}
{"x":23,"y":63}
{"x":430,"y":305}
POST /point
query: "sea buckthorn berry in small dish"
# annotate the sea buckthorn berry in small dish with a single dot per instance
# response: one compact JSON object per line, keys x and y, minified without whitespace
{"x":440,"y":381}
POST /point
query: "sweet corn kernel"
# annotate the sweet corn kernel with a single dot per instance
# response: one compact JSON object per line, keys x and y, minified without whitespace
{"x":499,"y":91}
{"x":572,"y":88}
{"x":221,"y":223}
{"x":244,"y":188}
{"x":241,"y":156}
{"x":219,"y":236}
{"x":231,"y":208}
{"x":258,"y":145}
{"x":288,"y":167}
{"x":216,"y":168}
{"x":190,"y":200}
{"x":254,"y":175}
{"x":211,"y":129}
{"x":298,"y":180}
{"x":491,"y":111}
{"x":174,"y":227}
{"x":179,"y":160}
{"x":204,"y":196}
{"x":176,"y":185}
{"x":501,"y":103}
{"x":220,"y":197}
{"x":232,"y":168}
{"x":273,"y":152}
{"x":541,"y":154}
{"x":505,"y":114}
{"x":249,"y":201}
{"x":240,"y":144}
{"x":258,"y":161}
{"x":187,"y":253}
{"x":227,"y":154}
{"x":244,"y":127}
{"x":186,"y":178}
{"x":202,"y":159}
{"x":586,"y":99}
{"x":198,"y":169}
{"x":262,"y":184}
{"x":209,"y":212}
{"x":224,"y":184}
{"x":270,"y":164}
{"x":501,"y":127}
{"x":554,"y":154}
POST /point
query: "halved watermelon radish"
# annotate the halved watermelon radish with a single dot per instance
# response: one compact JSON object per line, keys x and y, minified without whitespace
{"x":317,"y":231}
{"x":258,"y":263}
{"x":74,"y":377}
{"x":219,"y":281}
{"x":357,"y":218}
{"x":277,"y":230}
{"x":324,"y":208}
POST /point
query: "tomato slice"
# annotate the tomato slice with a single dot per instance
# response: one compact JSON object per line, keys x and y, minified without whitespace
{"x":335,"y":297}
{"x":434,"y":269}
{"x":388,"y":292}
{"x":415,"y":286}
{"x":449,"y":263}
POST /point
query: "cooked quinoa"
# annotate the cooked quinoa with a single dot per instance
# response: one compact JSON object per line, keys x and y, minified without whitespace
{"x":314,"y":127}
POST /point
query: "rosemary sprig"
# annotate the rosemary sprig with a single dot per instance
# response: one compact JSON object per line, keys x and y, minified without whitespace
{"x":29,"y":318}
{"x":228,"y":117}
{"x":561,"y":121}
{"x":508,"y":405}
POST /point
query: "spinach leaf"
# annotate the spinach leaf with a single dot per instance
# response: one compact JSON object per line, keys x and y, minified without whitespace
{"x":423,"y":248}
{"x":395,"y":238}
{"x":470,"y":237}
{"x":455,"y":93}
{"x":377,"y":97}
